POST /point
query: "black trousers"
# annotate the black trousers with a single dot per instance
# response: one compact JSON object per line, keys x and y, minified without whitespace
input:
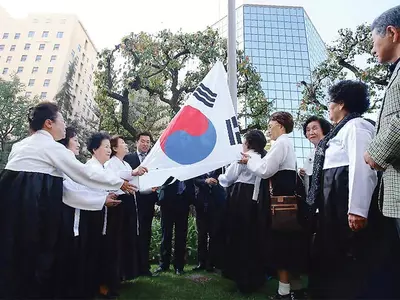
{"x":146,"y":214}
{"x":174,"y":214}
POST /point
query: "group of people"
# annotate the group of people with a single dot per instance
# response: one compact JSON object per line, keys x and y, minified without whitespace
{"x":73,"y":230}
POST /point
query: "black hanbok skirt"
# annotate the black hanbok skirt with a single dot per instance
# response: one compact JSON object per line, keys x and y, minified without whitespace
{"x":342,"y":260}
{"x":30,"y":223}
{"x":246,"y":228}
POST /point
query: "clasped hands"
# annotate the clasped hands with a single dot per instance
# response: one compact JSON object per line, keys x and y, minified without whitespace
{"x":129,"y":187}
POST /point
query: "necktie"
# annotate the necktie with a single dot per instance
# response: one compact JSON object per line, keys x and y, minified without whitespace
{"x":181,"y":187}
{"x":142,"y":156}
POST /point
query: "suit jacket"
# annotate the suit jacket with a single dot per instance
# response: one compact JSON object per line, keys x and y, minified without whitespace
{"x":169,"y":193}
{"x":134,"y":161}
{"x":385,"y":147}
{"x":207,"y":193}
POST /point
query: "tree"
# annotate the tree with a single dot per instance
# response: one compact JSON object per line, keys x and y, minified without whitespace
{"x":170,"y":66}
{"x":14,"y":109}
{"x":64,"y":97}
{"x":342,"y":62}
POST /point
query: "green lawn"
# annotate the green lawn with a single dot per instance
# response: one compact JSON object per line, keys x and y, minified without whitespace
{"x":203,"y":286}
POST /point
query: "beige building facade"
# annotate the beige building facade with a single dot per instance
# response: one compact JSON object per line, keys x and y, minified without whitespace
{"x":39,"y":50}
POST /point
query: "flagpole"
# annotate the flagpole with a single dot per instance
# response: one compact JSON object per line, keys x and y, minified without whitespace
{"x":232,"y":77}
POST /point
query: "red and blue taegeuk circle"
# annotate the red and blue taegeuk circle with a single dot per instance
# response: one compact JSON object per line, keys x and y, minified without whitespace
{"x":189,"y":138}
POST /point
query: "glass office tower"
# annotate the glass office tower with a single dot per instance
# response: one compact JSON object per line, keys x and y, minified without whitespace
{"x":285,"y":47}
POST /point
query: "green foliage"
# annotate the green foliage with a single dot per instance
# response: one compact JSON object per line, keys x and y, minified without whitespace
{"x":169,"y":66}
{"x":64,"y":97}
{"x":14,"y":107}
{"x":191,"y":244}
{"x":343,"y":55}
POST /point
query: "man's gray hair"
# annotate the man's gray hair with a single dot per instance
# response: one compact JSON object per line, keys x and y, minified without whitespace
{"x":390,"y":17}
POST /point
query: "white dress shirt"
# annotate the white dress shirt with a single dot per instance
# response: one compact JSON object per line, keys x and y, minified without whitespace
{"x":40,"y":153}
{"x":347,"y":148}
{"x":122,"y":169}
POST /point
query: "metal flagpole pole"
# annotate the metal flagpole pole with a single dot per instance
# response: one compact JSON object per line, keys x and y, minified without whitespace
{"x":232,"y":76}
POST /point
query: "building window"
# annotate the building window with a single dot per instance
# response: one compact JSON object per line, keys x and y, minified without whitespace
{"x":31,"y":34}
{"x":79,"y":77}
{"x":46,"y":82}
{"x":76,"y":88}
{"x":17,"y":36}
{"x":42,"y":46}
{"x":24,"y":57}
{"x":12,"y":48}
{"x":35,"y":70}
{"x":56,"y":47}
{"x":48,"y":20}
{"x":80,"y":92}
{"x":5,"y":71}
{"x":45,"y":34}
{"x":83,"y":57}
{"x":83,"y":81}
{"x":27,"y":46}
{"x":9,"y":58}
{"x":73,"y":53}
{"x":20,"y":70}
{"x":28,"y":94}
{"x":38,"y":58}
{"x":60,"y":34}
{"x":63,"y":21}
{"x":81,"y":67}
{"x":90,"y":77}
{"x":53,"y":58}
{"x":79,"y":48}
{"x":2,"y":47}
{"x":86,"y":43}
{"x":5,"y":35}
{"x":92,"y":67}
{"x":50,"y":70}
{"x":43,"y":95}
{"x":31,"y":82}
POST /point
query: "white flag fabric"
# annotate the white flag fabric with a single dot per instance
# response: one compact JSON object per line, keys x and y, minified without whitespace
{"x":202,"y":137}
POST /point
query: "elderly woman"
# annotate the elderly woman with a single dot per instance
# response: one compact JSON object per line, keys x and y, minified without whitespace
{"x":314,"y":129}
{"x":342,"y":188}
{"x":288,"y":249}
{"x":31,"y":188}
{"x":245,"y":220}
{"x":71,"y":275}
{"x":122,"y":224}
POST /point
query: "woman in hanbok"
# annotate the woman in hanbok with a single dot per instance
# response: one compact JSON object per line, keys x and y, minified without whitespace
{"x":31,"y":189}
{"x":287,"y":250}
{"x":342,"y":188}
{"x":245,"y":220}
{"x":314,"y":129}
{"x":72,"y":278}
{"x":122,"y":224}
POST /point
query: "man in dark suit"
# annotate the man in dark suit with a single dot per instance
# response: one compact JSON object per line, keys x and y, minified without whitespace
{"x":209,"y":203}
{"x":145,"y":203}
{"x":174,"y":201}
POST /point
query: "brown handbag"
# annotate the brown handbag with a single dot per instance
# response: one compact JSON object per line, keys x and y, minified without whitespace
{"x":284,"y":212}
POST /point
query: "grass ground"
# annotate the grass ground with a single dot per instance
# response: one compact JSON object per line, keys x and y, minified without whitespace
{"x":191,"y":285}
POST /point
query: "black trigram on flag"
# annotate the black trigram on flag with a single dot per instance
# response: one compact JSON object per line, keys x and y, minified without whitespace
{"x":205,"y":95}
{"x":233,"y":131}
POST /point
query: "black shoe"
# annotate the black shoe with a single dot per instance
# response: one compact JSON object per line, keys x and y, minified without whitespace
{"x":200,"y":267}
{"x":179,"y":272}
{"x":160,"y":270}
{"x":301,"y":294}
{"x":285,"y":297}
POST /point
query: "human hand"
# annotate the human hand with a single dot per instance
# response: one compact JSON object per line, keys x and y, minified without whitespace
{"x":357,"y":223}
{"x":128,"y":187}
{"x":302,"y":172}
{"x":211,"y":181}
{"x":111,"y":200}
{"x":369,"y":161}
{"x":244,"y":159}
{"x":139,"y":171}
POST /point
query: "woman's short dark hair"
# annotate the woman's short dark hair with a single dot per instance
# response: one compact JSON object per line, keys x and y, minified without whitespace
{"x":255,"y":140}
{"x":114,"y":143}
{"x":70,"y":132}
{"x":285,"y":119}
{"x":94,"y":141}
{"x":353,"y":94}
{"x":325,"y":125}
{"x":40,"y":113}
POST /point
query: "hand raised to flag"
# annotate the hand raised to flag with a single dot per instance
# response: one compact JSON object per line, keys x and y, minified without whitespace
{"x":245,"y":159}
{"x":139,"y":171}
